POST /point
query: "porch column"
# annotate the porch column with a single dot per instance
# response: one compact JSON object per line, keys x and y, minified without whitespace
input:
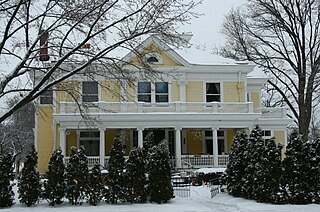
{"x":140,"y":137}
{"x":178,"y":147}
{"x":102,"y":147}
{"x":62,"y":136}
{"x":215,"y":146}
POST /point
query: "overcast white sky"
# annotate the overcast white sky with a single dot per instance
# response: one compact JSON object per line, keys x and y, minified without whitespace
{"x":206,"y":28}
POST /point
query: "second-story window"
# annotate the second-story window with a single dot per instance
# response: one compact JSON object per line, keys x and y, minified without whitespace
{"x":153,"y":92}
{"x":46,"y":97}
{"x":90,"y":92}
{"x":213,"y":92}
{"x":144,"y":91}
{"x":161,"y":92}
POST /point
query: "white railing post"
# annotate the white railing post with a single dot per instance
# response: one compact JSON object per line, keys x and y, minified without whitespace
{"x":214,"y":107}
{"x":178,"y":147}
{"x":102,"y":147}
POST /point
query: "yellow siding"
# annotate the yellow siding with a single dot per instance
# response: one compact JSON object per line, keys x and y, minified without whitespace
{"x":110,"y":91}
{"x":167,"y":61}
{"x":71,"y":140}
{"x":194,"y":145}
{"x":109,"y":135}
{"x":230,"y":135}
{"x":233,"y":92}
{"x":194,"y":91}
{"x":44,"y":137}
{"x":255,"y":98}
{"x":280,"y":138}
{"x":68,"y":91}
{"x":131,"y":92}
{"x":175,"y":91}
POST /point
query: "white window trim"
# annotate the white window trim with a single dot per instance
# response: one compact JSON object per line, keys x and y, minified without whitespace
{"x":99,"y":90}
{"x":205,"y":90}
{"x":153,"y":92}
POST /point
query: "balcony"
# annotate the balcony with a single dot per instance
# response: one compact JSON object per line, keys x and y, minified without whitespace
{"x":142,"y":107}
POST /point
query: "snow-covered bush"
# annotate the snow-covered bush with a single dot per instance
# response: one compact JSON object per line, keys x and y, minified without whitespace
{"x":160,"y":186}
{"x":135,"y":177}
{"x":76,"y":176}
{"x":115,"y":180}
{"x":54,"y":186}
{"x":95,"y":185}
{"x":6,"y":178}
{"x":29,"y":187}
{"x":235,"y":174}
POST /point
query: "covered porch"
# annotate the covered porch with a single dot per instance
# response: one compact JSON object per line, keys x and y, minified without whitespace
{"x":188,"y":147}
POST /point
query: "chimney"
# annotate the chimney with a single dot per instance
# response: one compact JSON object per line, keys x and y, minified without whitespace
{"x":44,"y":45}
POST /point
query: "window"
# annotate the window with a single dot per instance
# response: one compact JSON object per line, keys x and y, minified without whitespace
{"x":46,"y":97}
{"x":90,"y":140}
{"x":152,"y":60}
{"x":221,"y":142}
{"x":153,"y":92}
{"x":213,"y":92}
{"x":161,"y":92}
{"x":90,"y":92}
{"x":144,"y":91}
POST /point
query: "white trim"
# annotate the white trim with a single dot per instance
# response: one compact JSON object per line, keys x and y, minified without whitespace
{"x":205,"y":90}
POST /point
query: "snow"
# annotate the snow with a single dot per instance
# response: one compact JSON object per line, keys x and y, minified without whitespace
{"x":199,"y":200}
{"x":209,"y":170}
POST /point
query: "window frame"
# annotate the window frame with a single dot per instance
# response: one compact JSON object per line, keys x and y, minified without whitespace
{"x":44,"y":96}
{"x":145,"y":94}
{"x":90,"y":95}
{"x":90,"y":138}
{"x":153,"y":94}
{"x":205,"y":92}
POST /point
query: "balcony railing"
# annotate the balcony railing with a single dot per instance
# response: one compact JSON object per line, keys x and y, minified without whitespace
{"x":142,"y":107}
{"x":92,"y":160}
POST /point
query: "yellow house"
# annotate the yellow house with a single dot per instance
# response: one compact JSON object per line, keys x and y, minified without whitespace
{"x":197,"y":107}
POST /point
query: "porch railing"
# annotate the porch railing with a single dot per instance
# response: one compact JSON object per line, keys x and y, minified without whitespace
{"x":145,"y":107}
{"x":92,"y":160}
{"x":199,"y":161}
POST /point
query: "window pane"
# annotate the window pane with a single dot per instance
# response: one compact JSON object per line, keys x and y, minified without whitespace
{"x":161,"y":87}
{"x":213,"y":98}
{"x":144,"y":98}
{"x":89,"y":88}
{"x":46,"y":97}
{"x":90,"y":98}
{"x":152,"y":60}
{"x":144,"y":87}
{"x":213,"y":88}
{"x":91,"y":147}
{"x":162,"y":98}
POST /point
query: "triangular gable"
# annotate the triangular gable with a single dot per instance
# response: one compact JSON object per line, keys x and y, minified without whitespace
{"x":154,"y":44}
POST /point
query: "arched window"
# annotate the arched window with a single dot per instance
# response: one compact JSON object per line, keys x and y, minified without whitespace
{"x":152,"y":59}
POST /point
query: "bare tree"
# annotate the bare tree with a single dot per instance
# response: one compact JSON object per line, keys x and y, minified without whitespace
{"x":39,"y":37}
{"x":17,"y":132}
{"x":282,"y":37}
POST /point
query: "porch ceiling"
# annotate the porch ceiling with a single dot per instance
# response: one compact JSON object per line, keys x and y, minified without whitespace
{"x":156,"y":120}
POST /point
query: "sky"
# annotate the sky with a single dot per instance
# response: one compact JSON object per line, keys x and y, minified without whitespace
{"x":206,"y":29}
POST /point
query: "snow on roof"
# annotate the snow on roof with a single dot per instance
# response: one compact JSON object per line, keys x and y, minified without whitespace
{"x":209,"y":170}
{"x":203,"y":56}
{"x":257,"y":73}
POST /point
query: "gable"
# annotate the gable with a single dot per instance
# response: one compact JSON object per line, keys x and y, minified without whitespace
{"x":161,"y":53}
{"x":154,"y":51}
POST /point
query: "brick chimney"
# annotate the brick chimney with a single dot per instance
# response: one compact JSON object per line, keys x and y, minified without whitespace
{"x":44,"y":56}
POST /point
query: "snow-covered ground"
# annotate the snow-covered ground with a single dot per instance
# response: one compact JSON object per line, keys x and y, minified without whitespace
{"x":199,"y":201}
